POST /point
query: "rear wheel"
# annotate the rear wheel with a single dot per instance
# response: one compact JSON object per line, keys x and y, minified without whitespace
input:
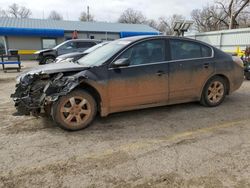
{"x":248,"y":77}
{"x":74,"y":111}
{"x":214,"y":92}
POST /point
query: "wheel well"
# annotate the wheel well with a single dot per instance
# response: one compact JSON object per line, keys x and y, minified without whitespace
{"x":93,"y":92}
{"x":49,"y":56}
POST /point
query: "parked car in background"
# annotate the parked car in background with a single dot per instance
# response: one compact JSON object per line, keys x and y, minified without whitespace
{"x":2,"y":49}
{"x":247,"y":70}
{"x":74,"y":56}
{"x":246,"y":60}
{"x":47,"y":56}
{"x":127,"y":74}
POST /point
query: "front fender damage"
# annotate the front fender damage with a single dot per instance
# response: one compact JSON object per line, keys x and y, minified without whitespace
{"x":35,"y":92}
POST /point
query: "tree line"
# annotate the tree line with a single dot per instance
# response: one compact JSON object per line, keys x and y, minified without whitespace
{"x":221,"y":14}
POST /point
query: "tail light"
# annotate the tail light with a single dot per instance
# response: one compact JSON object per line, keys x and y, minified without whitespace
{"x":238,"y":61}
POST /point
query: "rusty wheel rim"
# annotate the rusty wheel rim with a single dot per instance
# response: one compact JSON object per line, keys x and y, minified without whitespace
{"x":215,"y":92}
{"x":75,"y":111}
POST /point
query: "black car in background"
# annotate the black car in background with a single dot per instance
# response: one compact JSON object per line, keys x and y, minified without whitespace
{"x":47,"y":56}
{"x":246,"y":60}
{"x":2,"y":49}
{"x":246,"y":67}
{"x":74,"y":56}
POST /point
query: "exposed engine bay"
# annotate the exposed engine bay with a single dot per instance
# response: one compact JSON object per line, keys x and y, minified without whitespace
{"x":36,"y":91}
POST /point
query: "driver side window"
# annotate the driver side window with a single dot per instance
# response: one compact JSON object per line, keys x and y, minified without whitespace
{"x":151,"y":51}
{"x":68,"y":45}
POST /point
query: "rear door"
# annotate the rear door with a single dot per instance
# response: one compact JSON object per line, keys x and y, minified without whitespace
{"x":145,"y":81}
{"x":191,"y":65}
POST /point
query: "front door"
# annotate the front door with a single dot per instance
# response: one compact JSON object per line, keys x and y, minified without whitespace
{"x":190,"y":66}
{"x":144,"y":81}
{"x":66,"y":48}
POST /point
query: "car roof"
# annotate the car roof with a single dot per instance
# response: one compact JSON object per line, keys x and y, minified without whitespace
{"x":142,"y":37}
{"x":83,"y":40}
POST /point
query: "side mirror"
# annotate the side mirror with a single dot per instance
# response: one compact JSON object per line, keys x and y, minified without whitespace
{"x":124,"y":62}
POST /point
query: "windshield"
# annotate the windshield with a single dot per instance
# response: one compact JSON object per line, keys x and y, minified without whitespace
{"x":59,"y":45}
{"x":95,"y":47}
{"x":101,"y":55}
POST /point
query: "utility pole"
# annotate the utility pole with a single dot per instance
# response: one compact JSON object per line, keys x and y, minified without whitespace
{"x":231,"y":24}
{"x":88,"y":13}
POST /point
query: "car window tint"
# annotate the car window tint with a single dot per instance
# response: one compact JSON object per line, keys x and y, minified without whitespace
{"x":68,"y":45}
{"x":145,"y":52}
{"x":85,"y":44}
{"x":206,"y":51}
{"x":181,"y":49}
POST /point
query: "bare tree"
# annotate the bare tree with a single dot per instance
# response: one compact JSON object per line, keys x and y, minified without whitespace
{"x":244,"y":19}
{"x":132,"y":16}
{"x":3,"y":13}
{"x":166,"y":24}
{"x":55,"y":16}
{"x":24,"y":12}
{"x":14,"y":10}
{"x":224,"y":14}
{"x":86,"y":18}
{"x":17,"y":11}
{"x":233,"y":9}
{"x":209,"y":18}
{"x":152,"y":23}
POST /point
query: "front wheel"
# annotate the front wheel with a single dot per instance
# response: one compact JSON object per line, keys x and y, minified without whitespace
{"x":74,"y":111}
{"x":214,"y":92}
{"x":47,"y":60}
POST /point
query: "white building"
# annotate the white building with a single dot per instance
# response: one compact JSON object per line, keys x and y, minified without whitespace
{"x":226,"y":40}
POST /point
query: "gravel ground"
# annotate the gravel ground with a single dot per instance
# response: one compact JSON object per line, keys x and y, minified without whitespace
{"x":183,"y":145}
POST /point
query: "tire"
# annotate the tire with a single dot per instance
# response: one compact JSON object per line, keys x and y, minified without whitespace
{"x":47,"y":60}
{"x":47,"y":110}
{"x":74,"y":111}
{"x":214,"y":92}
{"x":248,"y":77}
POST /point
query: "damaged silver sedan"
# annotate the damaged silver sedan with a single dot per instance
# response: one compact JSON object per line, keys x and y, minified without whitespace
{"x":126,"y":74}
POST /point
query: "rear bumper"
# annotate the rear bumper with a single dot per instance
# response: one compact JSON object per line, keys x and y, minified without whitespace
{"x":236,"y":80}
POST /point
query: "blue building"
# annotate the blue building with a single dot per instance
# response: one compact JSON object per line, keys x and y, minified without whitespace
{"x":29,"y":35}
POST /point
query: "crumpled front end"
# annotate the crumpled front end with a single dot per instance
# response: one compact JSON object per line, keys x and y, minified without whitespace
{"x":36,"y":91}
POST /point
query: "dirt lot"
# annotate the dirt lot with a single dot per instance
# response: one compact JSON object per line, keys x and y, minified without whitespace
{"x":176,"y":146}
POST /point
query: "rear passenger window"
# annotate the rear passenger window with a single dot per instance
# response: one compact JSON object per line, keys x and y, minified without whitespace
{"x":181,"y":49}
{"x":85,"y":44}
{"x":206,"y":51}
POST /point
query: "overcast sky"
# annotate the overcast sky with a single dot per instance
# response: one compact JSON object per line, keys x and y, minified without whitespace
{"x":108,"y":10}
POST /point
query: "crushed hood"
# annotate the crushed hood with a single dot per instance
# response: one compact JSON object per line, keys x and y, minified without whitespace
{"x":69,"y":55}
{"x":42,"y":51}
{"x":57,"y":68}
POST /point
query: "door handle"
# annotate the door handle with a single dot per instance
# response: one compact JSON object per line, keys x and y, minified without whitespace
{"x":160,"y":73}
{"x":206,"y":65}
